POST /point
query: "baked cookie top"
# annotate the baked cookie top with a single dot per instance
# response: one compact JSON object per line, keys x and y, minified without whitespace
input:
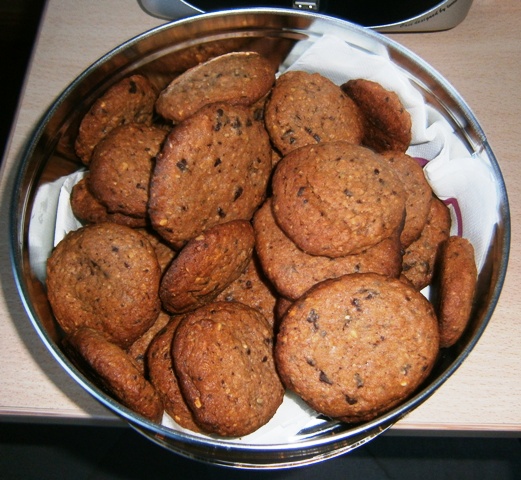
{"x":121,"y":167}
{"x":132,"y":99}
{"x":336,"y":198}
{"x":308,"y":108}
{"x":223,"y":358}
{"x":387,"y":124}
{"x":105,"y":276}
{"x":206,"y":266}
{"x":355,"y":346}
{"x":293,"y":271}
{"x":214,"y":168}
{"x":114,"y":371}
{"x":239,"y":78}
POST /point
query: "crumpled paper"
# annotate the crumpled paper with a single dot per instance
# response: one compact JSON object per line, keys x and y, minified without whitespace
{"x":464,"y":180}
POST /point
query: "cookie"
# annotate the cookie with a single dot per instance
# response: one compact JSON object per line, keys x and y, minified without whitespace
{"x":114,"y":371}
{"x":418,"y":194}
{"x":387,"y":124}
{"x":132,"y":99}
{"x":206,"y":266}
{"x":87,"y":209}
{"x":456,"y":281}
{"x":239,"y":78}
{"x":356,"y":346}
{"x":121,"y":167}
{"x":308,"y":108}
{"x":293,"y":271}
{"x":253,"y":289}
{"x":223,"y":358}
{"x":138,"y":349}
{"x":105,"y":276}
{"x":163,"y":378}
{"x":334,"y":199}
{"x":218,"y":163}
{"x":419,"y":258}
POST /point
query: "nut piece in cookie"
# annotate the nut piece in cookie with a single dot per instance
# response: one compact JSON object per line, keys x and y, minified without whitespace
{"x":334,"y":199}
{"x":163,"y":378}
{"x":214,"y":168}
{"x":293,"y":271}
{"x":418,"y":192}
{"x":419,"y":258}
{"x":105,"y":276}
{"x":130,"y":100}
{"x":456,"y":280}
{"x":239,"y":78}
{"x":308,"y":108}
{"x":206,"y":266}
{"x":387,"y":124}
{"x":114,"y":371}
{"x":87,"y":209}
{"x":223,"y":358}
{"x":355,"y":346}
{"x":121,"y":167}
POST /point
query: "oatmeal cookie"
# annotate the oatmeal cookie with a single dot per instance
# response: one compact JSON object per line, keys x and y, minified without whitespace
{"x":334,"y":199}
{"x":114,"y":371}
{"x":356,"y":346}
{"x":163,"y":378}
{"x":223,"y":357}
{"x":418,"y":194}
{"x":130,"y":100}
{"x":121,"y":167}
{"x":387,"y":124}
{"x":87,"y":209}
{"x":105,"y":276}
{"x":214,"y":168}
{"x":206,"y":266}
{"x":308,"y":108}
{"x":456,"y":280}
{"x":239,"y":78}
{"x":419,"y":258}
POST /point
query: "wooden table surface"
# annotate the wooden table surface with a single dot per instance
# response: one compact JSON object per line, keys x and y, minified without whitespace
{"x":481,"y":57}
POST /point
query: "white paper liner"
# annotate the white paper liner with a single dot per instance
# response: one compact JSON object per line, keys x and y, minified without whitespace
{"x":463,"y":179}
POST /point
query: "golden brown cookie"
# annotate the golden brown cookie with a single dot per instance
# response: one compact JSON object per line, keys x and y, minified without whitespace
{"x":253,"y":289}
{"x":387,"y":124}
{"x":456,"y":282}
{"x":355,"y":346}
{"x":130,"y":100}
{"x":87,"y":209}
{"x":334,"y":199}
{"x":223,"y":357}
{"x":114,"y":371}
{"x":238,"y":78}
{"x":293,"y":271}
{"x":418,"y":193}
{"x":206,"y":266}
{"x":218,"y":163}
{"x":163,"y":378}
{"x":121,"y":167}
{"x":419,"y":258}
{"x":105,"y":276}
{"x":308,"y":108}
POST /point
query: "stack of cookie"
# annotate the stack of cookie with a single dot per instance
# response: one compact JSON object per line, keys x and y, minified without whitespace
{"x":246,"y":234}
